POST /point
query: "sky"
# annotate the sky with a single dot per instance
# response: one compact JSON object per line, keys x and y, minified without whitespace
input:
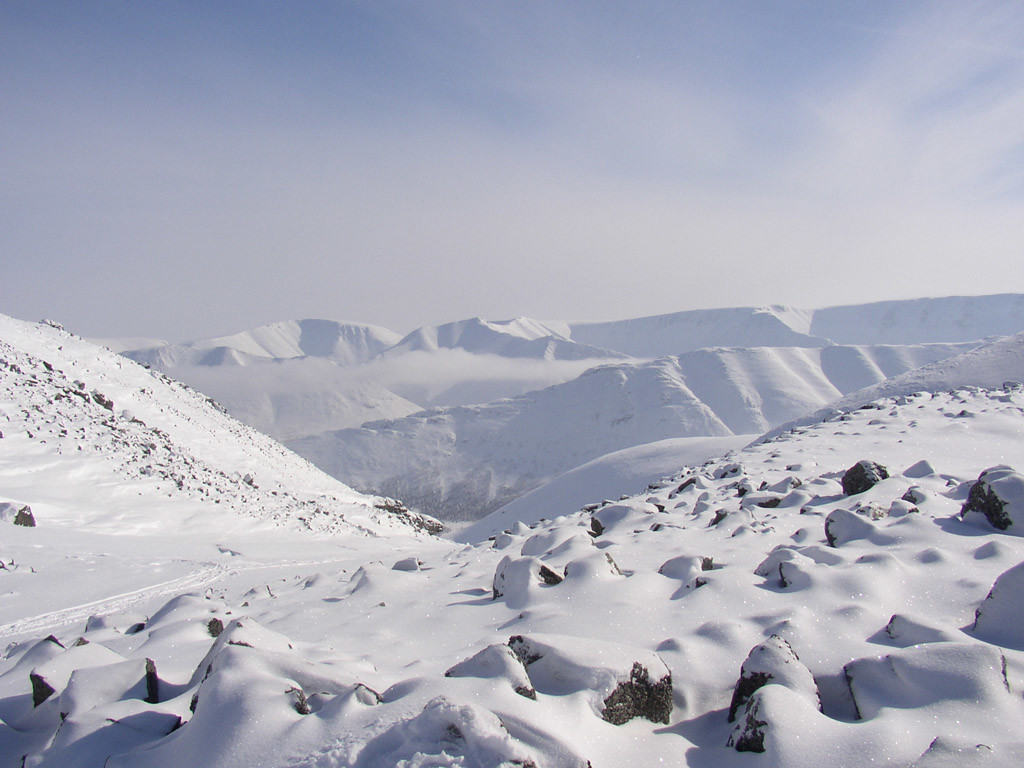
{"x":188,"y":169}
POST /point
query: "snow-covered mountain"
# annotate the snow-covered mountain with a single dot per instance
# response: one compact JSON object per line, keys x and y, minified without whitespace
{"x":463,"y":462}
{"x":341,"y":343}
{"x":785,"y":604}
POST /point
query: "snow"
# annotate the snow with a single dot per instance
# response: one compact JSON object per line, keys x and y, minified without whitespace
{"x":278,"y":645}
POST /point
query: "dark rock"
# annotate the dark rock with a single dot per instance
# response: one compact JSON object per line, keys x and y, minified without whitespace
{"x":749,"y":737}
{"x":299,"y":701}
{"x":639,"y":697}
{"x":215,"y":626}
{"x":24,"y":517}
{"x":102,"y":400}
{"x":596,"y":527}
{"x":41,"y":690}
{"x":862,"y":476}
{"x":152,"y":683}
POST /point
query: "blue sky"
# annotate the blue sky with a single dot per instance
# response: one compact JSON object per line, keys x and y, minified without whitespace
{"x":187,"y":169}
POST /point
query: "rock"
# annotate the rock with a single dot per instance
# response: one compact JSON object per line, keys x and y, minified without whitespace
{"x":773,"y":661}
{"x":862,"y":476}
{"x":215,"y":626}
{"x":640,"y":697}
{"x":41,"y":690}
{"x":18,"y":514}
{"x":998,"y":495}
{"x":748,"y":736}
{"x":997,"y":619}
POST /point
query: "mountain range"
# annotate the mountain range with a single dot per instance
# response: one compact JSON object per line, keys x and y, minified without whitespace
{"x":461,"y":418}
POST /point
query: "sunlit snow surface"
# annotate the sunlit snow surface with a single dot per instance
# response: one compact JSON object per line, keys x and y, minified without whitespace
{"x":332,"y":651}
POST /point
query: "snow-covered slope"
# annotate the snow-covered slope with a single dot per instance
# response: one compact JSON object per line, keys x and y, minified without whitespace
{"x":989,"y":365}
{"x":71,"y":410}
{"x":461,"y":463}
{"x":748,"y":603}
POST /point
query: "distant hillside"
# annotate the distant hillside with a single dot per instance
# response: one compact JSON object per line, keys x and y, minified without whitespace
{"x":463,"y":462}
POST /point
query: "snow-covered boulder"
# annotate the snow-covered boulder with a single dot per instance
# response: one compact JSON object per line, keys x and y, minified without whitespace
{"x":772,"y":662}
{"x":966,"y":678}
{"x":514,"y":578}
{"x":624,"y":682}
{"x":862,"y":476}
{"x":450,"y":734}
{"x":998,"y":618}
{"x":496,"y":661}
{"x":17,"y":514}
{"x":842,"y":525}
{"x":998,"y":495}
{"x":53,"y":675}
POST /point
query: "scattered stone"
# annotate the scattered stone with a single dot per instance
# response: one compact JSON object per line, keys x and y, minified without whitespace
{"x":215,"y":626}
{"x":862,"y":476}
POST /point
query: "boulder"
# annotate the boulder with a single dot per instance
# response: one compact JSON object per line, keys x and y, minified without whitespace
{"x":773,"y":661}
{"x":998,"y":496}
{"x":862,"y":476}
